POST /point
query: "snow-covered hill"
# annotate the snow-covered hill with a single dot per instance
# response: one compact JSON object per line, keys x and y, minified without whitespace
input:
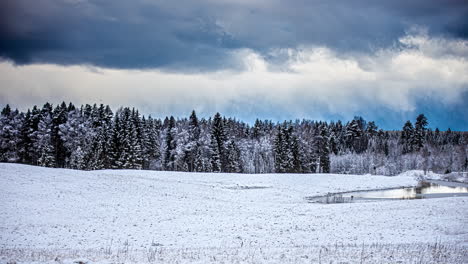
{"x":54,"y":210}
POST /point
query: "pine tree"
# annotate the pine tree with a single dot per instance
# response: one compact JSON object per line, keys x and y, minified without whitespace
{"x":134,"y":159}
{"x":371,"y":129}
{"x":287,"y":156}
{"x":59,"y":117}
{"x":77,"y":135}
{"x":33,"y":127}
{"x":419,"y":132}
{"x":257,"y":129}
{"x":77,"y":159}
{"x":216,"y":165}
{"x":169,"y":153}
{"x":323,"y":150}
{"x":6,"y":110}
{"x":406,"y":139}
{"x":129,"y":156}
{"x":296,"y":156}
{"x":25,"y":144}
{"x":218,"y":138}
{"x":193,"y":144}
{"x":115,"y":144}
{"x":279,"y":151}
{"x":333,"y":144}
{"x":10,"y":136}
{"x":150,"y":145}
{"x":288,"y":150}
{"x":43,"y":144}
{"x":354,"y":136}
{"x":233,"y":158}
{"x":97,"y":154}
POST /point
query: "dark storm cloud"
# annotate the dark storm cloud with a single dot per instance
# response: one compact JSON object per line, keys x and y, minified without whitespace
{"x":184,"y":35}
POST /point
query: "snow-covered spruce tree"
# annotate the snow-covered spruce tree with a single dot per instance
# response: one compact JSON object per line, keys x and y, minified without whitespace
{"x":280,"y":151}
{"x":150,"y":144}
{"x":193,"y":141}
{"x":181,"y":151}
{"x":42,"y":142}
{"x":135,"y":134}
{"x":419,"y":132}
{"x":234,"y":163}
{"x":130,"y":154}
{"x":296,"y":155}
{"x":217,"y":145}
{"x":10,"y":137}
{"x":215,"y":155}
{"x":257,"y":129}
{"x":355,"y":136}
{"x":76,"y":134}
{"x":6,"y":111}
{"x":406,"y":139}
{"x":323,"y":150}
{"x":371,"y":129}
{"x":171,"y":145}
{"x":97,"y":154}
{"x":203,"y":159}
{"x":59,"y":116}
{"x":286,"y":151}
{"x":288,"y":159}
{"x":25,"y":144}
{"x":115,"y":143}
{"x":121,"y":130}
{"x":33,"y":127}
{"x":101,"y":122}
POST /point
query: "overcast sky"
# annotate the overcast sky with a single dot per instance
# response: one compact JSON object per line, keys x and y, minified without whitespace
{"x":384,"y":60}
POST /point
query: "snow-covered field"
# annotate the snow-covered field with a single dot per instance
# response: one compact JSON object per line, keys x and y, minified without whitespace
{"x":57,"y":215}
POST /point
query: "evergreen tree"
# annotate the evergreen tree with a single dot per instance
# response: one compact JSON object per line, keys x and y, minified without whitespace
{"x":406,"y":139}
{"x":354,"y":136}
{"x":115,"y":145}
{"x":193,"y":144}
{"x":91,"y":137}
{"x":323,"y":150}
{"x":257,"y":129}
{"x":97,"y":154}
{"x":169,"y":153}
{"x":43,"y":144}
{"x":280,"y":152}
{"x":10,"y":136}
{"x":130,"y":148}
{"x":76,"y":134}
{"x":77,"y":159}
{"x":371,"y":129}
{"x":218,"y":138}
{"x":25,"y":144}
{"x":419,"y":132}
{"x":6,"y":111}
{"x":150,"y":145}
{"x":296,"y":156}
{"x":59,"y":117}
{"x":233,"y":158}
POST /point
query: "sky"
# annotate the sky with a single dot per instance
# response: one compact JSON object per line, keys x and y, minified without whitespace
{"x":387,"y":61}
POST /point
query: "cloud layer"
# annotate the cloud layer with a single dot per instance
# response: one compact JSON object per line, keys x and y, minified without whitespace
{"x":313,"y":81}
{"x":203,"y":35}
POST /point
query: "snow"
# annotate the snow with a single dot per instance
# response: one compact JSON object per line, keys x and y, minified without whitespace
{"x":61,"y":209}
{"x":453,"y":177}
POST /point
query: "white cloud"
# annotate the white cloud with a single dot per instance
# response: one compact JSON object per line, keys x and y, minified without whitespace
{"x":313,"y":81}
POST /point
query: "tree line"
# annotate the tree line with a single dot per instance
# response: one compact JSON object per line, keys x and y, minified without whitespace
{"x":92,"y":137}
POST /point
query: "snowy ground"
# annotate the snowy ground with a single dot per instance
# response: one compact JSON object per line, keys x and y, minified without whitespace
{"x":164,"y":216}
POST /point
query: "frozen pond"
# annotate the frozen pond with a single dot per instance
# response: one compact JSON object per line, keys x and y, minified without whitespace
{"x":432,"y":189}
{"x":427,"y":190}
